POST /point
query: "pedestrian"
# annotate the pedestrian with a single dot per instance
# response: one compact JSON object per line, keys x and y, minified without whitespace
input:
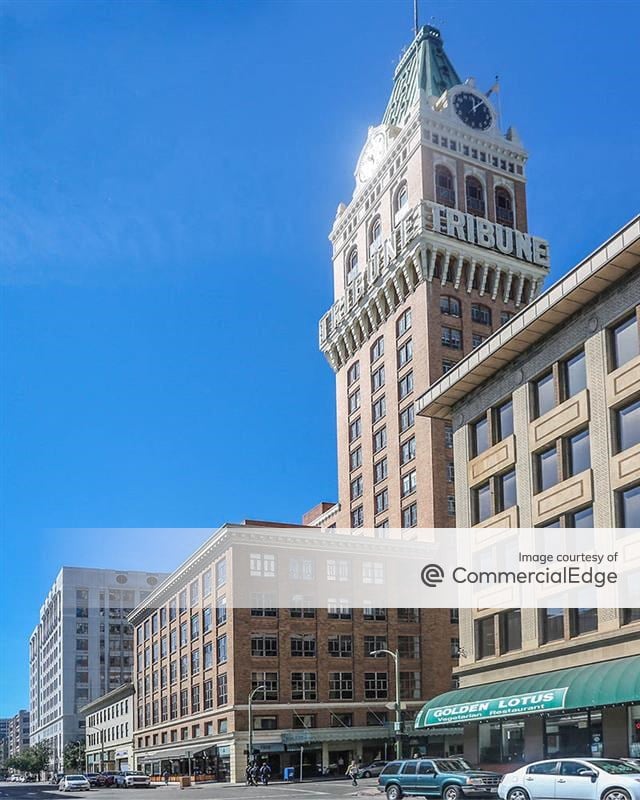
{"x":249,"y":774}
{"x":265,"y":773}
{"x":165,"y":775}
{"x":352,"y":772}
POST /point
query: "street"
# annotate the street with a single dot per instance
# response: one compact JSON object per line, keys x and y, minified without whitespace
{"x":223,"y":791}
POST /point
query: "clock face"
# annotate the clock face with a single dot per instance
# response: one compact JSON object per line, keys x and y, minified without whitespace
{"x":472,"y":110}
{"x":371,"y":157}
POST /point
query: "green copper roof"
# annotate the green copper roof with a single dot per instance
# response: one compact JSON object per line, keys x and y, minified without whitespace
{"x":603,"y":684}
{"x":425,"y":66}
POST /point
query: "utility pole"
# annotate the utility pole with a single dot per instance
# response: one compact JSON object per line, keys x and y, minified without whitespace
{"x":252,"y":694}
{"x":395,"y":655}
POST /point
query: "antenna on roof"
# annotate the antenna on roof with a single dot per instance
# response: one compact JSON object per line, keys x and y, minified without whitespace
{"x":415,"y":17}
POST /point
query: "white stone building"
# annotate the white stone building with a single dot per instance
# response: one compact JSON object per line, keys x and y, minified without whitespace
{"x":81,"y":649}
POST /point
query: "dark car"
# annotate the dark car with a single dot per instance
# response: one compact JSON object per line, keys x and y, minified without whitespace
{"x":95,"y":779}
{"x":109,"y":777}
{"x":436,"y":777}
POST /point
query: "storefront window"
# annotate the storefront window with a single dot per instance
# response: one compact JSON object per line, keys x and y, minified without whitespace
{"x":501,"y":742}
{"x":577,"y":734}
{"x":634,"y":731}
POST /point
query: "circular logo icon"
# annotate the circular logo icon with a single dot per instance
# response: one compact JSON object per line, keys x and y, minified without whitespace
{"x":432,"y":575}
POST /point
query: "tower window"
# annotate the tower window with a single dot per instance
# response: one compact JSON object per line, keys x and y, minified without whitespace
{"x":475,"y":197}
{"x":375,"y":235}
{"x":504,"y":207}
{"x":352,"y":265}
{"x":445,"y":191}
{"x":402,"y":198}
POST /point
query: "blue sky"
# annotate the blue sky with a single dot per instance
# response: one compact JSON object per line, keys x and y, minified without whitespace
{"x":170,"y":172}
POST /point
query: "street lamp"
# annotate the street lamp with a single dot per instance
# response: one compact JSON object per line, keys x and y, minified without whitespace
{"x":395,"y":655}
{"x":252,"y":694}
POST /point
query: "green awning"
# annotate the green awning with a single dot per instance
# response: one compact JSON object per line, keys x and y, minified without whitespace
{"x":603,"y":684}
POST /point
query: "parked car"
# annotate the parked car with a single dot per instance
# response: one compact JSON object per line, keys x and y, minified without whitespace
{"x":73,"y":783}
{"x":573,"y":779}
{"x":372,"y":770}
{"x":96,"y":779}
{"x":126,"y":780}
{"x":436,"y":777}
{"x":110,"y":777}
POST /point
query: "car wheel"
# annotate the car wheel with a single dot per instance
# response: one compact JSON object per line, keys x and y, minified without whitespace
{"x":366,"y":774}
{"x":451,"y":793}
{"x":394,"y":792}
{"x":518,"y":794}
{"x":616,"y":794}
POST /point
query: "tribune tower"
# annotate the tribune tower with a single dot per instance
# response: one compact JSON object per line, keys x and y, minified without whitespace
{"x":430,"y":257}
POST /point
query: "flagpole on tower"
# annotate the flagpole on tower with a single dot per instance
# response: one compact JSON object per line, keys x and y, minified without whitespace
{"x":415,"y":17}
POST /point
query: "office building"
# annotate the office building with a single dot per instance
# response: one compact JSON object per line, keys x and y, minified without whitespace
{"x":18,"y":733}
{"x":546,"y":431}
{"x":109,"y":731}
{"x":81,"y":648}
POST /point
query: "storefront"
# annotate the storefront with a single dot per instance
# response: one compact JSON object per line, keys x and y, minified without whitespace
{"x":211,"y":763}
{"x":592,"y":710}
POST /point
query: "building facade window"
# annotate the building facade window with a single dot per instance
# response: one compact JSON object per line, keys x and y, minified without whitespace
{"x":380,"y":439}
{"x":377,"y":349}
{"x":481,"y":314}
{"x":380,"y":470}
{"x":353,"y":373}
{"x":574,"y":375}
{"x":353,"y":268}
{"x":408,"y":451}
{"x":340,"y":686}
{"x":485,"y":637}
{"x":544,"y":395}
{"x":379,"y":409}
{"x":445,"y":187}
{"x":629,"y":508}
{"x":504,"y":207}
{"x":381,"y":501}
{"x":474,"y":196}
{"x":410,"y":516}
{"x":377,"y":379}
{"x":405,"y":353}
{"x":627,"y":426}
{"x":405,"y":385}
{"x":510,"y":626}
{"x":551,"y":625}
{"x":451,"y":337}
{"x":450,"y":306}
{"x":403,"y":323}
{"x":624,"y":342}
{"x":353,"y":402}
{"x":408,"y":483}
{"x":407,"y":418}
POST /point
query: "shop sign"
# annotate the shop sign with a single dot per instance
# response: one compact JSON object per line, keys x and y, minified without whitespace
{"x":497,"y":707}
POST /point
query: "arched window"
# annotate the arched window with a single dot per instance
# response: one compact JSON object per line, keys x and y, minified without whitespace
{"x":402,"y":197}
{"x":375,"y":235}
{"x":445,"y":190}
{"x":504,"y":207}
{"x":352,"y":265}
{"x":475,"y":196}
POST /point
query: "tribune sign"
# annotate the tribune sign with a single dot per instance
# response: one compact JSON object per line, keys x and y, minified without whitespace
{"x":491,"y":235}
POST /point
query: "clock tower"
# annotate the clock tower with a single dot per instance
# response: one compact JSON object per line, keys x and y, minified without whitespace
{"x":431,"y":255}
